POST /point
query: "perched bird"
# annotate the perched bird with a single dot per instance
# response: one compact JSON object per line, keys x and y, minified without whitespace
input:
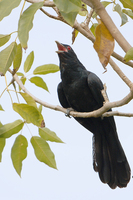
{"x":81,"y":90}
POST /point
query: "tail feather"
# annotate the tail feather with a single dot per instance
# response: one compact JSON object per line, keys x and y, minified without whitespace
{"x":110,"y":161}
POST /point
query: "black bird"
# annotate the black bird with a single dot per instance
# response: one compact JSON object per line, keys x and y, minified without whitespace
{"x":81,"y":90}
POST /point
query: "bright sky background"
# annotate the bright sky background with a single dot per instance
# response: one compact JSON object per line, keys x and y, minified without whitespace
{"x":75,"y":178}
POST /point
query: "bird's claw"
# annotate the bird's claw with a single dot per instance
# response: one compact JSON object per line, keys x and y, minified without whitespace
{"x":67,"y":114}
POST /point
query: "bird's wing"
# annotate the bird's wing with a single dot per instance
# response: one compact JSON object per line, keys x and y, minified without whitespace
{"x":62,"y":97}
{"x":96,"y":87}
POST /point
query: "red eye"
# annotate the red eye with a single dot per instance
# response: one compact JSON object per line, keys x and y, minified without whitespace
{"x":69,"y":48}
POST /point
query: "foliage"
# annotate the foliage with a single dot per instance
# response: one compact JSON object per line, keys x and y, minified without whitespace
{"x":12,"y":53}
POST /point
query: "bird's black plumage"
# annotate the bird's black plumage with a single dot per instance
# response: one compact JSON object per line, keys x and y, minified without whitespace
{"x":81,"y":90}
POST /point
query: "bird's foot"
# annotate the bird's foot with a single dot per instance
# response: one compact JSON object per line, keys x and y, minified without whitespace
{"x":67,"y":114}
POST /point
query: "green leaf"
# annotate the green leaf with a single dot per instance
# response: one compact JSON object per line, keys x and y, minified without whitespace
{"x":1,"y":108}
{"x":8,"y":130}
{"x":18,"y":58}
{"x":28,"y":62}
{"x":76,"y":3}
{"x":68,"y":6}
{"x":124,"y":18}
{"x":19,"y":152}
{"x":128,"y":12}
{"x":69,"y":9}
{"x":129,"y":55}
{"x":40,"y":108}
{"x":26,"y":23}
{"x":29,"y":100}
{"x":6,"y":57}
{"x":38,"y":81}
{"x":20,"y":74}
{"x":127,"y":4}
{"x":43,"y":152}
{"x":106,"y":3}
{"x":2,"y":145}
{"x":6,"y":7}
{"x":1,"y":124}
{"x":46,"y":69}
{"x":49,"y":135}
{"x":4,"y":39}
{"x":29,"y":113}
{"x":93,"y":28}
{"x":69,"y":17}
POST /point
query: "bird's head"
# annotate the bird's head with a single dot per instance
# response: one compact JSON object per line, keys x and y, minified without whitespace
{"x":65,"y":52}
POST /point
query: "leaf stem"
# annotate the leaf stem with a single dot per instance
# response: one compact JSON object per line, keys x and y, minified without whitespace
{"x":22,"y":8}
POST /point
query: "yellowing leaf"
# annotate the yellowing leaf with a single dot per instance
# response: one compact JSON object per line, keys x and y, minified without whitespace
{"x":26,"y":23}
{"x":18,"y":58}
{"x":2,"y":144}
{"x":49,"y":135}
{"x":38,"y":81}
{"x":43,"y":152}
{"x":129,"y":55}
{"x":46,"y":69}
{"x":6,"y":57}
{"x":1,"y":108}
{"x":6,"y":7}
{"x":74,"y":35}
{"x":127,"y":4}
{"x":104,"y":43}
{"x":8,"y":130}
{"x":29,"y":100}
{"x":29,"y":61}
{"x":19,"y":153}
{"x":4,"y":39}
{"x":29,"y":113}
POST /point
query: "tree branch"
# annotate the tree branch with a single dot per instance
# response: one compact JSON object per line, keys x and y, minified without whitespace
{"x":96,"y":113}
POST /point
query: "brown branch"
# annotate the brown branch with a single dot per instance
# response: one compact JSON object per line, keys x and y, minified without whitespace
{"x":97,"y":113}
{"x":49,"y":15}
{"x":117,"y":113}
{"x":121,"y":59}
{"x":121,"y":74}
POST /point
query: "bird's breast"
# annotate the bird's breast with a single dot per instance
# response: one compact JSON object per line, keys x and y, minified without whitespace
{"x":79,"y":95}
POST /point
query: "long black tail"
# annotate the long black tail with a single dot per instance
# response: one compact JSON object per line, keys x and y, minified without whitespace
{"x":109,"y":159}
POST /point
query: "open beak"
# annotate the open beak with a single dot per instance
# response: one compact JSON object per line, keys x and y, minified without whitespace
{"x":61,"y":48}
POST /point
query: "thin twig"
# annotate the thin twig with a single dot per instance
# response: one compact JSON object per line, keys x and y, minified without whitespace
{"x":49,"y":15}
{"x":121,"y":59}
